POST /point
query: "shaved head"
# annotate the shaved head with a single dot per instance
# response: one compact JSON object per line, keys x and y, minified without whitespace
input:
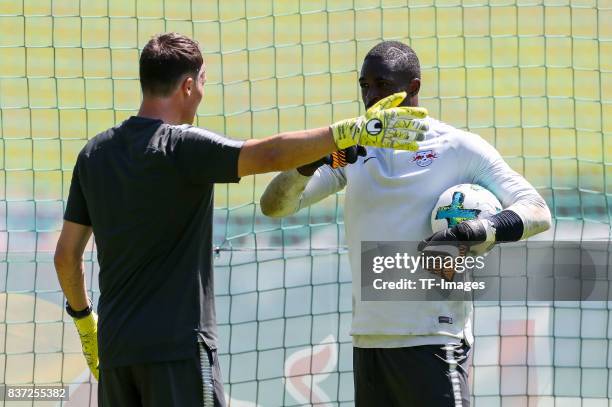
{"x":390,"y":67}
{"x":399,"y":57}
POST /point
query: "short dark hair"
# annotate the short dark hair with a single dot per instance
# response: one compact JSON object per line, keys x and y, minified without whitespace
{"x":399,"y":55}
{"x":165,"y":60}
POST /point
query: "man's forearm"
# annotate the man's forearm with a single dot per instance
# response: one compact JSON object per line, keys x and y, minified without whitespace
{"x":282,"y":196}
{"x":72,"y":280}
{"x":285,"y":151}
{"x":534,"y":214}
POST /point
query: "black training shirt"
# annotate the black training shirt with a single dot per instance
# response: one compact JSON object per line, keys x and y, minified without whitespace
{"x":146,"y":188}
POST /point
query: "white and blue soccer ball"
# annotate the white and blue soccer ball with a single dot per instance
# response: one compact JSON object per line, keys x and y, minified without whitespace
{"x":463,"y":202}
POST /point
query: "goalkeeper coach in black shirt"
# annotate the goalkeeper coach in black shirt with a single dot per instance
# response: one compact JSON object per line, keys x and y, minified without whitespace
{"x":145,"y":190}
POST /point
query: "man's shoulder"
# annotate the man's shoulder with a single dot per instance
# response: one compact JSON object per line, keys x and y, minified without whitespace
{"x":192,"y":132}
{"x":100,"y":140}
{"x":438,"y":128}
{"x":459,"y":138}
{"x":131,"y":129}
{"x":200,"y":136}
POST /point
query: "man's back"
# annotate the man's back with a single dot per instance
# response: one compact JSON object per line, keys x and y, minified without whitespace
{"x":147,"y":191}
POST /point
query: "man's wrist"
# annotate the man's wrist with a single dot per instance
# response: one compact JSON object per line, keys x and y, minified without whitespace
{"x":509,"y":226}
{"x":309,"y":169}
{"x":306,"y":170}
{"x":79,"y":314}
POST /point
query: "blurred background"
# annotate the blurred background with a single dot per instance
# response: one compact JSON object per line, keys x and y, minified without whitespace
{"x":533,"y":78}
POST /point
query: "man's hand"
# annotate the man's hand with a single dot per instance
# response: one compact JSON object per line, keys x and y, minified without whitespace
{"x":474,"y":237}
{"x":477,"y":235}
{"x":384,"y":125}
{"x":336,"y":159}
{"x":87,"y":328}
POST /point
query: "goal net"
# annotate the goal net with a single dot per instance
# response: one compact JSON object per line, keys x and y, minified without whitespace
{"x":533,"y":78}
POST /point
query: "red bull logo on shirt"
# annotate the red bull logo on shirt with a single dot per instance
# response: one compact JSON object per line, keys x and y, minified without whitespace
{"x":424,"y":158}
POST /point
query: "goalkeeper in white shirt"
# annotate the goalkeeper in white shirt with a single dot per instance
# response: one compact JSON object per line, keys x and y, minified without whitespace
{"x":410,"y":353}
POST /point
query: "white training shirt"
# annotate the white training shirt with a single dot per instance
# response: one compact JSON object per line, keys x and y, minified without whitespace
{"x":389,"y":197}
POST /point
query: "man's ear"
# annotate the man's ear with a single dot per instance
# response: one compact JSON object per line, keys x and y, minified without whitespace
{"x":187,"y":85}
{"x":414,"y":87}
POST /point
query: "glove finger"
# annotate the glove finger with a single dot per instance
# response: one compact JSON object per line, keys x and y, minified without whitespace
{"x":406,"y":133}
{"x":399,"y":144}
{"x":440,"y":249}
{"x":402,"y":136}
{"x":423,"y":244}
{"x":437,"y":246}
{"x":444,"y":238}
{"x":397,"y":138}
{"x":417,"y":112}
{"x":412,"y":124}
{"x":361,"y":151}
{"x":388,"y":102}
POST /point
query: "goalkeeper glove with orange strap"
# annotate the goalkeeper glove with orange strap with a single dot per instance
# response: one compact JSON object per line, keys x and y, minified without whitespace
{"x":386,"y":124}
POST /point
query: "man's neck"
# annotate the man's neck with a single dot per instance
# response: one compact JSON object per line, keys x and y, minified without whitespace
{"x":161,"y":109}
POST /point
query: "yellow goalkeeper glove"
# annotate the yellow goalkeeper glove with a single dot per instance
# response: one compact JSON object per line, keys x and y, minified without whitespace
{"x":384,"y":125}
{"x":87,"y":328}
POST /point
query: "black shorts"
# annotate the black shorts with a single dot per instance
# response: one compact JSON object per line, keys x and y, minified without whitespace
{"x":193,"y":382}
{"x":427,"y":376}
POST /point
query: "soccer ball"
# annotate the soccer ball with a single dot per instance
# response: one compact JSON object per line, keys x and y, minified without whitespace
{"x":463,"y":202}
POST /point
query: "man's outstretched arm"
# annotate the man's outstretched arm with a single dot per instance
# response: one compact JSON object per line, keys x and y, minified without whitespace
{"x":284,"y":151}
{"x":383,"y":125}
